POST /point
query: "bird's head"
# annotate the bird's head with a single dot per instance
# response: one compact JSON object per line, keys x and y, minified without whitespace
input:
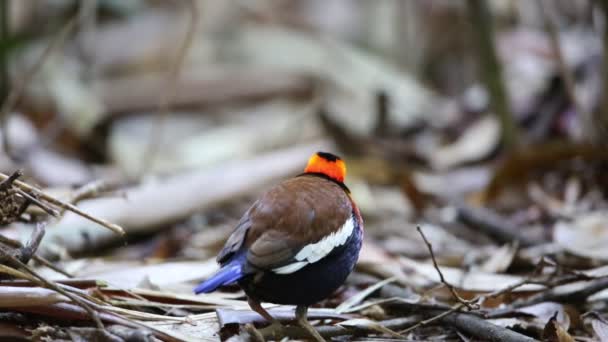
{"x":327,"y":164}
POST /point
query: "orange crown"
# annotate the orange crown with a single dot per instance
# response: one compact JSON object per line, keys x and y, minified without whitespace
{"x":327,"y":164}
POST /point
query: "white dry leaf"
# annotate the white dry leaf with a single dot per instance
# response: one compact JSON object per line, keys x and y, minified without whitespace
{"x":453,"y":183}
{"x":500,"y":260}
{"x":585,"y":236}
{"x":545,"y":311}
{"x":597,"y":272}
{"x":601,"y":329}
{"x":130,"y":274}
{"x":476,"y":143}
{"x":359,"y":297}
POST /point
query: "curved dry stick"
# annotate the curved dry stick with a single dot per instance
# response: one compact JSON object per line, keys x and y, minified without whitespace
{"x":470,"y":304}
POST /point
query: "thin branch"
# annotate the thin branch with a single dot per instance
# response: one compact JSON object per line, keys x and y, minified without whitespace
{"x":470,"y":304}
{"x":43,"y":261}
{"x":90,"y":190}
{"x":166,"y":96}
{"x":432,"y":319}
{"x":48,"y":284}
{"x":64,"y":205}
{"x":38,"y":203}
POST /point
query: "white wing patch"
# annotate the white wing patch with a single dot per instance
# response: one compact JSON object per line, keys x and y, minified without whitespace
{"x":316,"y":251}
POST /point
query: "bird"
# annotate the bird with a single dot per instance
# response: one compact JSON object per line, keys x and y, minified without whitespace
{"x":296,"y":244}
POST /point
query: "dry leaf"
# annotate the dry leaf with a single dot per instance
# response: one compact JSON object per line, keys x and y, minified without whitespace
{"x":600,"y":326}
{"x":555,"y":332}
{"x":500,"y":260}
{"x":475,"y":144}
{"x":586,"y":236}
{"x":547,"y":311}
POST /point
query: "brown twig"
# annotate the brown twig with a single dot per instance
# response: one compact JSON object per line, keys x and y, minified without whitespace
{"x":67,"y":206}
{"x":8,"y":182}
{"x":7,"y":189}
{"x":38,"y":203}
{"x":37,"y":258}
{"x":432,"y":319}
{"x":25,"y":253}
{"x":166,"y":96}
{"x":17,"y":91}
{"x":88,"y":191}
{"x":470,"y":304}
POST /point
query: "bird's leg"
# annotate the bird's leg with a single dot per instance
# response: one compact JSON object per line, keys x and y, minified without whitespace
{"x":275,"y":326}
{"x":301,"y":316}
{"x":257,"y":307}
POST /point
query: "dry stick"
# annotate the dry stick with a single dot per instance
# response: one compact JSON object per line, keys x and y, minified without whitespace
{"x":569,"y":84}
{"x":38,"y":203}
{"x":469,"y":322}
{"x":472,"y":324}
{"x":25,"y":253}
{"x":481,"y":17}
{"x":432,"y":319}
{"x":470,"y":304}
{"x":295,"y":332}
{"x":17,"y":91}
{"x":8,"y":183}
{"x":51,"y":285}
{"x":41,"y":260}
{"x":483,"y":330}
{"x":64,"y":205}
{"x":165,"y":97}
{"x":91,"y":190}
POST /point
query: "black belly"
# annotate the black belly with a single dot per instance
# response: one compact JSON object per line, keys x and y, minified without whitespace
{"x":310,"y":284}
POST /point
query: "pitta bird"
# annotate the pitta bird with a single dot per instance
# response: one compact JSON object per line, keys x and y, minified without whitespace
{"x":296,"y":244}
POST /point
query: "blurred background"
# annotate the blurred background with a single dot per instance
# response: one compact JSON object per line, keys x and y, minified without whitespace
{"x":483,"y":121}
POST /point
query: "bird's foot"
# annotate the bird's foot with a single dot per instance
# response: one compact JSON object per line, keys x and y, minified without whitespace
{"x":255,"y":334}
{"x":310,"y":329}
{"x":275,"y":330}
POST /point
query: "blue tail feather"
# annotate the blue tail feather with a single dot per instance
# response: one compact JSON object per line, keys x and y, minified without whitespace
{"x":228,"y":274}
